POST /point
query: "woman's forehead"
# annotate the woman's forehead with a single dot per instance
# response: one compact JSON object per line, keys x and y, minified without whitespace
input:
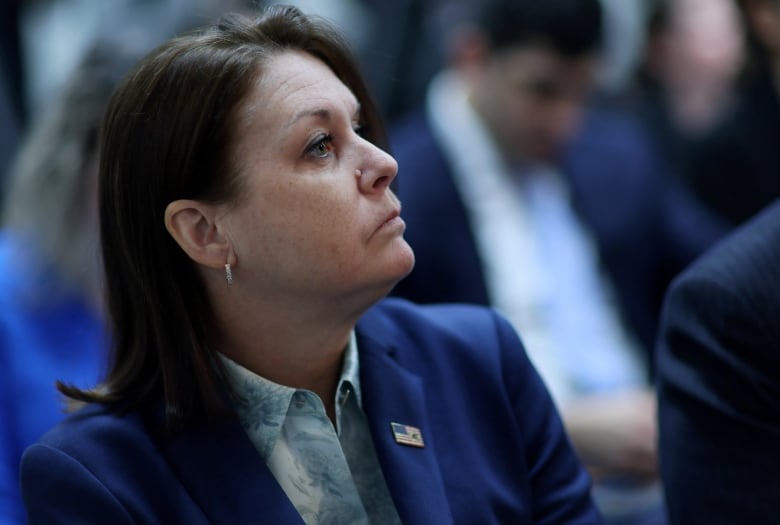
{"x":295,"y":83}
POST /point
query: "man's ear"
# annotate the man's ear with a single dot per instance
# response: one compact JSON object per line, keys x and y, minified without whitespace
{"x":194,"y":227}
{"x":764,"y":18}
{"x":469,"y":47}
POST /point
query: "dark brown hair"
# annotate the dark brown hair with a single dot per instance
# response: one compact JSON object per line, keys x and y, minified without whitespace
{"x":168,"y":134}
{"x":571,"y":28}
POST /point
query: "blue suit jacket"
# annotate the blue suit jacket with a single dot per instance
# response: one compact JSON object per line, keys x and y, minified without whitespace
{"x":646,"y":228}
{"x":495,"y":450}
{"x":719,"y":382}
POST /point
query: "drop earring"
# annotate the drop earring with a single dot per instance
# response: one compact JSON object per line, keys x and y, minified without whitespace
{"x":228,"y":274}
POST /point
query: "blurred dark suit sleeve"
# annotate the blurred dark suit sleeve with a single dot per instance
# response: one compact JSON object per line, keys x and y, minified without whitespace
{"x":719,"y":382}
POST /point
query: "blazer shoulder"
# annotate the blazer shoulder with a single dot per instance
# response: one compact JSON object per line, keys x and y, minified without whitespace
{"x":109,"y":442}
{"x":743,"y":263}
{"x":402,"y":324}
{"x":444,"y":317}
{"x":50,"y":479}
{"x":95,"y":425}
{"x":119,"y":460}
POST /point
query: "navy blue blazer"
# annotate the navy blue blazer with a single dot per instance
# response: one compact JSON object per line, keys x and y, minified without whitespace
{"x":719,"y":382}
{"x":495,"y":450}
{"x":646,"y":228}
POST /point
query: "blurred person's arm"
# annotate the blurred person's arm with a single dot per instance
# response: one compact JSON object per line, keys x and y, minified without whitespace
{"x":615,"y":434}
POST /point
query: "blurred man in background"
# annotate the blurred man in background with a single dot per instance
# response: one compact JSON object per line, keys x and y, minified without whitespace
{"x":516,"y":196}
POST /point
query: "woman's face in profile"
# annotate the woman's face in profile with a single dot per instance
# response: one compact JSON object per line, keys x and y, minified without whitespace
{"x":317,"y":216}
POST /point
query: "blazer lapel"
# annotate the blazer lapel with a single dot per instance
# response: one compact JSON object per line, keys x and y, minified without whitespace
{"x":226,"y":477}
{"x":392,"y":394}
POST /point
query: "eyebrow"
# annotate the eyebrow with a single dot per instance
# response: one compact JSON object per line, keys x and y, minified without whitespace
{"x":319,"y":113}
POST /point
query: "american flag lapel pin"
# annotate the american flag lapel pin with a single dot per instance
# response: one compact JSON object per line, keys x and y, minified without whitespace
{"x":407,"y":435}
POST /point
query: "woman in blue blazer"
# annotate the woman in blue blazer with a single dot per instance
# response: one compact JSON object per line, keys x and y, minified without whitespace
{"x":249,"y":234}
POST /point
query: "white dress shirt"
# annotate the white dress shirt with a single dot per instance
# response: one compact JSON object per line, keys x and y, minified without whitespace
{"x":540,"y":265}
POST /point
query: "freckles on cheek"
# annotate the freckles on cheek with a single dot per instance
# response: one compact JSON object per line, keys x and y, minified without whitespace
{"x":321,"y":222}
{"x":335,"y":241}
{"x":335,"y":254}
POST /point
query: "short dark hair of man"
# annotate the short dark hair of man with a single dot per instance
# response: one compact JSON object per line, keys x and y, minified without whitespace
{"x":570,"y":27}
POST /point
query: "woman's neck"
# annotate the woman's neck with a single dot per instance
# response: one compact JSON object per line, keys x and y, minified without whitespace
{"x":289,"y":346}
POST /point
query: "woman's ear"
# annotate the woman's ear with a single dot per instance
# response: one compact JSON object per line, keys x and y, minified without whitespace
{"x":194,"y":227}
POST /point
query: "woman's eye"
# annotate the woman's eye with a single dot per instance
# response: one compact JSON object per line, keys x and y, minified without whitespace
{"x":322,"y":147}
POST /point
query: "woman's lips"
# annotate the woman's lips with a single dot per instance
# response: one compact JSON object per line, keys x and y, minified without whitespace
{"x":392,"y":221}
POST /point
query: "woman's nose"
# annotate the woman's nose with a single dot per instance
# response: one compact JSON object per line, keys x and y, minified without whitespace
{"x":377,"y":171}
